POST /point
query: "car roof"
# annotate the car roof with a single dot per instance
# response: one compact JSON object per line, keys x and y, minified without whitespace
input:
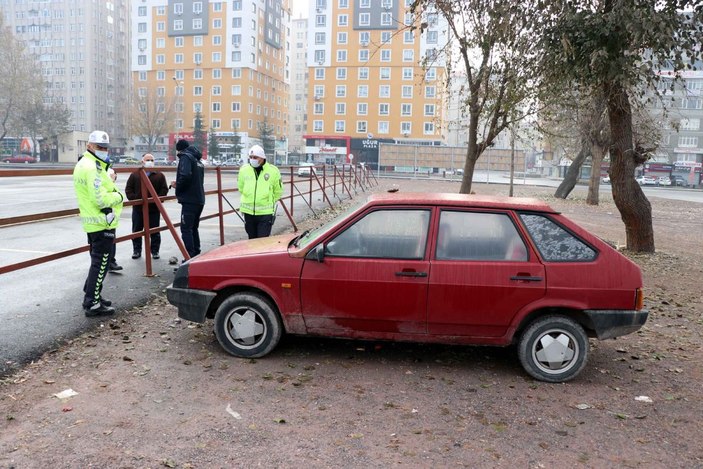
{"x":460,"y":200}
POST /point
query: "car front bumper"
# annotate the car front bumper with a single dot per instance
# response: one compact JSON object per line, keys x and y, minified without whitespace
{"x":192,"y":304}
{"x":608,"y":324}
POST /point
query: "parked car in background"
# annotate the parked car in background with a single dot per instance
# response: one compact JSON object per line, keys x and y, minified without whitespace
{"x":664,"y":181}
{"x":161,"y":161}
{"x":605,"y":179}
{"x":679,"y":181}
{"x":646,"y":180}
{"x":306,"y":169}
{"x":423,"y":267}
{"x":20,"y":159}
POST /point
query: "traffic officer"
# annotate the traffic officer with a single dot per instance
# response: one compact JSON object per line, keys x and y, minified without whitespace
{"x":100,"y":205}
{"x":260,"y":188}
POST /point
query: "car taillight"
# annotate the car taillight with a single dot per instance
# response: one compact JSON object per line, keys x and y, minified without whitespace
{"x":639,"y":299}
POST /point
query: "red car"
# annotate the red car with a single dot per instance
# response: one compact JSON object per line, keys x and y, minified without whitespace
{"x":19,"y":159}
{"x":448,"y":268}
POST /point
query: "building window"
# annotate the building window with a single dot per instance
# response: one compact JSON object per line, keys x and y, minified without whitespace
{"x":407,"y":91}
{"x":362,"y":91}
{"x":317,"y":126}
{"x":197,"y":23}
{"x":383,"y":127}
{"x":343,"y":20}
{"x":141,"y":27}
{"x":364,"y":19}
{"x":363,"y":55}
{"x":342,"y":55}
{"x":341,"y":91}
{"x":362,"y":109}
{"x":339,"y":126}
{"x":429,"y":110}
{"x":384,"y":73}
{"x":318,"y":108}
{"x":431,"y":74}
{"x":341,"y":38}
{"x":178,"y":25}
{"x":363,"y":73}
{"x":386,"y":19}
{"x":429,"y":91}
{"x":406,"y":109}
{"x":361,"y":127}
{"x":688,"y":142}
{"x":384,"y":109}
{"x":405,"y":128}
{"x":197,"y":7}
{"x":408,"y":55}
{"x":341,"y":73}
{"x":384,"y":91}
{"x":340,"y":109}
{"x":319,"y":38}
{"x":141,"y":11}
{"x":385,"y":55}
{"x":236,"y":106}
{"x":407,"y":73}
{"x":429,"y":128}
{"x":343,"y":4}
{"x":320,"y":20}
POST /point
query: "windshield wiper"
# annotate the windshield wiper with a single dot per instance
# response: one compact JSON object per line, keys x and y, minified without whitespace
{"x":298,"y":238}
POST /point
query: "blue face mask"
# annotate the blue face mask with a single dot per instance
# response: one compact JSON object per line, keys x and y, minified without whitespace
{"x":102,"y":154}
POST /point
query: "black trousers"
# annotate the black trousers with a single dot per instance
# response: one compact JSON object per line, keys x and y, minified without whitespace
{"x":258,"y":226}
{"x":138,"y":225}
{"x":101,"y":248}
{"x":190,"y":221}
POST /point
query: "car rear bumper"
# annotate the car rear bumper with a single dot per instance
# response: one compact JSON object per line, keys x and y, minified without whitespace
{"x":192,"y":304}
{"x":615,"y":323}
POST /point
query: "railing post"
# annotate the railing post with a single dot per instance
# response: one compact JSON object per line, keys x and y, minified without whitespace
{"x":221,"y":216}
{"x":292,"y":194}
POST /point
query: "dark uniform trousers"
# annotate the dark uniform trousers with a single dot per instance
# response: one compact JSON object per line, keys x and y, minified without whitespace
{"x":101,"y":246}
{"x":138,"y":225}
{"x":258,"y":226}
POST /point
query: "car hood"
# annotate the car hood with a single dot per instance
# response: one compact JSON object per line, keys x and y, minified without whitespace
{"x":249,"y":247}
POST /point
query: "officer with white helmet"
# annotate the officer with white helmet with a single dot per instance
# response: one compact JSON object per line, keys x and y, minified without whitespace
{"x":260,"y":188}
{"x":100,"y":205}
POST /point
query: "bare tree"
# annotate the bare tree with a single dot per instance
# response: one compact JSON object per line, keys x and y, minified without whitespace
{"x":21,"y":82}
{"x":492,"y":42}
{"x":620,"y":48}
{"x":153,"y":115}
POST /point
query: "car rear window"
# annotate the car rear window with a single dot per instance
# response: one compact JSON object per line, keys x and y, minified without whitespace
{"x":554,"y":243}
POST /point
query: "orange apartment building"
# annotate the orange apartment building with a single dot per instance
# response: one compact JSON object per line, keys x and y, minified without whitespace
{"x":372,"y":79}
{"x":227,"y":59}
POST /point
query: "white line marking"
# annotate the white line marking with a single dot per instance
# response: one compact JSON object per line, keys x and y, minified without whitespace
{"x":25,"y":251}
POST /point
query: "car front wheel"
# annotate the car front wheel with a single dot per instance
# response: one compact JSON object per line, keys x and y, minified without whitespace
{"x":246,"y":325}
{"x":553,"y":349}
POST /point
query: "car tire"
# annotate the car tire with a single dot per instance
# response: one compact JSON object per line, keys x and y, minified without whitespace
{"x":246,"y":325}
{"x":564,"y":360}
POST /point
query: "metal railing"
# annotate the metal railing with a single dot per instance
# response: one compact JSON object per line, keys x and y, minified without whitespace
{"x":342,"y":181}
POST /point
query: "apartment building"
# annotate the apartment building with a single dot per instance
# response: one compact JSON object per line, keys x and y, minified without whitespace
{"x":82,"y":47}
{"x":298,"y":86}
{"x":228,"y":61}
{"x":372,"y":78}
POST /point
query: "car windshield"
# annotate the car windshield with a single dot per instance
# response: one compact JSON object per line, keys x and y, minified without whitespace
{"x":324,"y":228}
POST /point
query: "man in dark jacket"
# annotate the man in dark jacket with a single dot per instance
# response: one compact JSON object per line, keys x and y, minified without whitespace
{"x":190,"y":192}
{"x":133,"y":189}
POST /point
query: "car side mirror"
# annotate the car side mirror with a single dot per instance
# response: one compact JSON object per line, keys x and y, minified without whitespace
{"x":317,"y":253}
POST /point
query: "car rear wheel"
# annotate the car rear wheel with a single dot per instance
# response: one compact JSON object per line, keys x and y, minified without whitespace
{"x":553,"y":349}
{"x":246,"y":325}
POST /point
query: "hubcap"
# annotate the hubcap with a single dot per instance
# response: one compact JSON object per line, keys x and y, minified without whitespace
{"x":555,"y":351}
{"x":245,"y":328}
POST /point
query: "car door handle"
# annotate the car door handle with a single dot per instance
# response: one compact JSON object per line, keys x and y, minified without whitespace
{"x":526,"y":278}
{"x":411,"y":274}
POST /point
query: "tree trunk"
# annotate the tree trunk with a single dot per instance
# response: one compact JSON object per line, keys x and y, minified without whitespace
{"x":572,"y":174}
{"x":469,"y":167}
{"x":597,"y":153}
{"x":635,"y":209}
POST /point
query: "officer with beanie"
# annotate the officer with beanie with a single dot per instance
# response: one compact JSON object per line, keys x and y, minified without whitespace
{"x":100,"y":205}
{"x":260,"y":188}
{"x":190,"y":192}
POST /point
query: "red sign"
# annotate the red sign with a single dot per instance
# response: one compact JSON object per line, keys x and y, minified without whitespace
{"x":174,"y":137}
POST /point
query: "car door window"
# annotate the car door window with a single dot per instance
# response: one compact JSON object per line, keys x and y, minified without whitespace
{"x":554,"y":243}
{"x":391,"y":234}
{"x":478,"y":236}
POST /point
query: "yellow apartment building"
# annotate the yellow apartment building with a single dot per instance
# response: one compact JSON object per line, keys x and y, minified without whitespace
{"x":228,"y":60}
{"x":372,"y":79}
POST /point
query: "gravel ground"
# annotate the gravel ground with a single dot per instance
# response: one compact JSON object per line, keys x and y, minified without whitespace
{"x":154,"y":391}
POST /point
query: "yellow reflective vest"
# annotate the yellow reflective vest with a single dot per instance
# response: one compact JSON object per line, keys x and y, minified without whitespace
{"x":259,"y":194}
{"x":96,"y":193}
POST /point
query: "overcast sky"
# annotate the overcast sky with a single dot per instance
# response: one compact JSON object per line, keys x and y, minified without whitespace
{"x":300,"y":8}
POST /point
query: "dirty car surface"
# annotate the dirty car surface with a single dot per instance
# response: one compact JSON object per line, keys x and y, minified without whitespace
{"x":448,"y":268}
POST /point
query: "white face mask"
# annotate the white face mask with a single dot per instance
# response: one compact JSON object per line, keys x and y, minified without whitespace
{"x":102,"y":154}
{"x":254,"y":162}
{"x":148,"y":164}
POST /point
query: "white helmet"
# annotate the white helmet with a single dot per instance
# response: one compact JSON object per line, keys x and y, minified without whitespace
{"x":256,"y":150}
{"x":99,"y":137}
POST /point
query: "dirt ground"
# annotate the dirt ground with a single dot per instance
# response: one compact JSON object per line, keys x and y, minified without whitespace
{"x":154,"y":391}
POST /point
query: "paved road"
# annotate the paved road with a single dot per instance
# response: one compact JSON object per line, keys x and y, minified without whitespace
{"x":40,"y":306}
